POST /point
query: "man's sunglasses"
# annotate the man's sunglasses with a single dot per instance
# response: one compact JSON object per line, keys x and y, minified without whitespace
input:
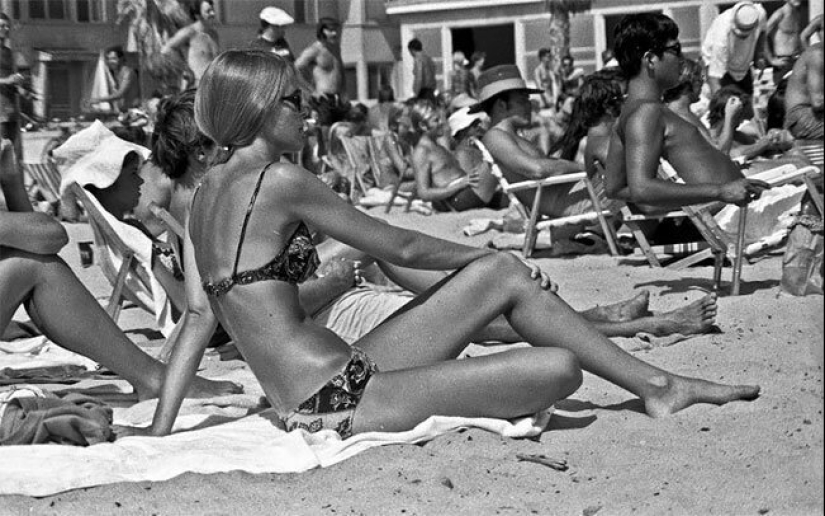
{"x":294,"y":99}
{"x":673,"y":48}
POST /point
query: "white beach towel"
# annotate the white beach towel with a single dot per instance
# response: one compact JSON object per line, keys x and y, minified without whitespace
{"x":255,"y":444}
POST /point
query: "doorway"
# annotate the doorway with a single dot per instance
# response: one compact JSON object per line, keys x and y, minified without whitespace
{"x":497,"y":41}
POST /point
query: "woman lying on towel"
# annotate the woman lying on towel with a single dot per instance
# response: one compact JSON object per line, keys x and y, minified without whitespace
{"x":248,"y":247}
{"x":33,"y":275}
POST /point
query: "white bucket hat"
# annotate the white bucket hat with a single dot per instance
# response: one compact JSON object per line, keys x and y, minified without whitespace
{"x":462,"y":119}
{"x":101,"y":166}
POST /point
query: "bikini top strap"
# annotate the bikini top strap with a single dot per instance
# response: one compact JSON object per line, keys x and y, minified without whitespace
{"x":246,"y":218}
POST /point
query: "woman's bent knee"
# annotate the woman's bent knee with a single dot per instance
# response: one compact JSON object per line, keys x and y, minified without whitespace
{"x":557,"y":367}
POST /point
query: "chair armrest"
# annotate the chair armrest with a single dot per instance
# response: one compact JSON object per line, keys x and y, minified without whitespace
{"x":548,"y":181}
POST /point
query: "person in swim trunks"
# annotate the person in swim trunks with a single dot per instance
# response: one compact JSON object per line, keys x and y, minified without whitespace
{"x":804,"y":95}
{"x":251,"y":204}
{"x":439,"y":175}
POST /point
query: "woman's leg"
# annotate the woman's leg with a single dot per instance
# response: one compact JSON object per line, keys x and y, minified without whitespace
{"x":441,"y":322}
{"x":67,"y":313}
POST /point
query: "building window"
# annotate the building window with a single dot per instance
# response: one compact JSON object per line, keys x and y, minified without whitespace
{"x":89,"y":10}
{"x":83,"y":11}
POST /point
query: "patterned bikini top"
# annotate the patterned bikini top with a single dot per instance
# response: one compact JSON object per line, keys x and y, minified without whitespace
{"x":296,"y":262}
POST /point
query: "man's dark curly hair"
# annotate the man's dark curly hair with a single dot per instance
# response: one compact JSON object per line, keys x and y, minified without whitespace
{"x":637,"y":34}
{"x":176,"y":135}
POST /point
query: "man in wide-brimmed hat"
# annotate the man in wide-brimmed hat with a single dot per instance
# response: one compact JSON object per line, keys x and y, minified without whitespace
{"x":505,"y":97}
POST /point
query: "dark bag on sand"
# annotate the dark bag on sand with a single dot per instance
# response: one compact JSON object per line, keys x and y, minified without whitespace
{"x":802,"y":265}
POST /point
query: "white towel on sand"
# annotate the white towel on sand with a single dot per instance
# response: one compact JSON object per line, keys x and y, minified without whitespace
{"x":255,"y":444}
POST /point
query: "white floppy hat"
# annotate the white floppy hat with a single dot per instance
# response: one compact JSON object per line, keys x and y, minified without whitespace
{"x":275,"y":16}
{"x":462,"y":119}
{"x":101,"y":166}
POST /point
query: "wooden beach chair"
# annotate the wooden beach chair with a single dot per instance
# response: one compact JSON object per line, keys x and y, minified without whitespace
{"x":536,"y":222}
{"x":107,"y":244}
{"x":721,"y":244}
{"x":47,"y":176}
{"x":380,"y":147}
{"x":814,"y":150}
{"x":358,"y":157}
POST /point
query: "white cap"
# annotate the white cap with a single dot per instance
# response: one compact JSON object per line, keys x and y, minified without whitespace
{"x":275,"y":16}
{"x":462,"y":119}
{"x":101,"y":166}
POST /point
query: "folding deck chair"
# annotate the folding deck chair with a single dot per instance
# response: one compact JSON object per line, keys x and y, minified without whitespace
{"x":721,"y":245}
{"x":125,"y":277}
{"x":47,"y":176}
{"x":534,"y":221}
{"x":380,"y":147}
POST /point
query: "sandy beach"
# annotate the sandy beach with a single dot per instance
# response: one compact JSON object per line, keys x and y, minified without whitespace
{"x":749,"y":458}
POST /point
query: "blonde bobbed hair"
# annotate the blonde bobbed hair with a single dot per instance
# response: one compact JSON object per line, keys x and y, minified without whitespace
{"x":238,"y":92}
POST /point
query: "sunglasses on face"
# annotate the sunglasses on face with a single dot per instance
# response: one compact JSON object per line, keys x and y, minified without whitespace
{"x":673,"y":48}
{"x":294,"y":99}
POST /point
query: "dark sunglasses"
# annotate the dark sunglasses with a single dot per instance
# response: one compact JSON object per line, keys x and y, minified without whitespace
{"x":674,"y":48}
{"x":294,"y":99}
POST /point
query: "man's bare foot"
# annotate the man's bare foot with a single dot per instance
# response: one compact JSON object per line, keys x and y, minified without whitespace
{"x":628,"y":310}
{"x":697,"y":317}
{"x":670,"y":394}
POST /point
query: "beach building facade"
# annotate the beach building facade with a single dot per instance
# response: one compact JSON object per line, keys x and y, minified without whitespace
{"x":513,"y":31}
{"x":62,"y":39}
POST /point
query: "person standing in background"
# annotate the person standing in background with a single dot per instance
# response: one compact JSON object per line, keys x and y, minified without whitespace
{"x":461,"y":78}
{"x":546,"y":79}
{"x":126,"y":86}
{"x":322,"y":66}
{"x":730,"y":44}
{"x":199,"y":38}
{"x":10,"y":82}
{"x":782,"y":44}
{"x":272,"y":36}
{"x":424,"y":84}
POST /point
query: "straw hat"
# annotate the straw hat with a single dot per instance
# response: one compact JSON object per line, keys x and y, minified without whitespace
{"x":745,"y":17}
{"x":101,"y":166}
{"x":275,"y":16}
{"x":499,"y":79}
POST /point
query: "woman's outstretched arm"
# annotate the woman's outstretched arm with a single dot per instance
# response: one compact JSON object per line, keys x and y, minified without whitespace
{"x":313,"y":202}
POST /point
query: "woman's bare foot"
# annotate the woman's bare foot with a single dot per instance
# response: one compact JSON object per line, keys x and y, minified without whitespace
{"x":697,"y":317}
{"x":670,"y":394}
{"x":628,"y":310}
{"x":200,"y":388}
{"x":205,"y":388}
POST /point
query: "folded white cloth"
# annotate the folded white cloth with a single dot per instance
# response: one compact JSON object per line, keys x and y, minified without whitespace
{"x":39,"y":351}
{"x":255,"y":444}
